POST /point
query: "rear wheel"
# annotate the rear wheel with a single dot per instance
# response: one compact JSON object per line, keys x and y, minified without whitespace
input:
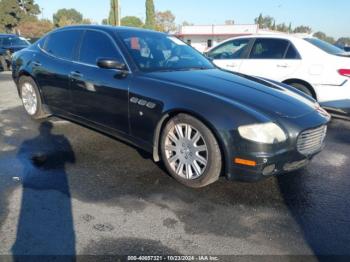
{"x":190,"y":152}
{"x":31,"y":99}
{"x":302,"y":88}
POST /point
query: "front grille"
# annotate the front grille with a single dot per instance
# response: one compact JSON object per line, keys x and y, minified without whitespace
{"x":311,"y":141}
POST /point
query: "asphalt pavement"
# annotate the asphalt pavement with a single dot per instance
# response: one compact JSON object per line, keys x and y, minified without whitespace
{"x":65,"y":190}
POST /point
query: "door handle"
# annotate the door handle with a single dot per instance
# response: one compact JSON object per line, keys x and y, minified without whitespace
{"x":36,"y":64}
{"x":76,"y":74}
{"x":232,"y":65}
{"x":283,"y":66}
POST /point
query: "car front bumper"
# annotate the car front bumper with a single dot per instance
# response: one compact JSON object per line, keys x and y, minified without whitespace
{"x":269,"y":165}
{"x":273,"y":160}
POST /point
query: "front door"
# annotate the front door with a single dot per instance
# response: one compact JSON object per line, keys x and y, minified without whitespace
{"x":98,"y":94}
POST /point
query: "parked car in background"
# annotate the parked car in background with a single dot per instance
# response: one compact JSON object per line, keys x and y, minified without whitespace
{"x":347,"y":48}
{"x":312,"y":66}
{"x":161,"y":95}
{"x":9,"y":44}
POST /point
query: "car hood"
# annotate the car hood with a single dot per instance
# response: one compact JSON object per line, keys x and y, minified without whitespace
{"x":261,"y":95}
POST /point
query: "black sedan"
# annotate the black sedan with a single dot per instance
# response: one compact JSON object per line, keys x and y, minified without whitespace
{"x":155,"y":92}
{"x":8,"y":45}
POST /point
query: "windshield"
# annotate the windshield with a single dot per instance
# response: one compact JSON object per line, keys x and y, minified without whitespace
{"x":330,"y":49}
{"x":159,"y":52}
{"x":15,"y":41}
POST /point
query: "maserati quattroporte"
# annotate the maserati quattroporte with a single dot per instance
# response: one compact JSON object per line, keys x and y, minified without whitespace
{"x":157,"y":93}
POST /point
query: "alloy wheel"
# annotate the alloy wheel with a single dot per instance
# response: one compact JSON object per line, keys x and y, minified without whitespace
{"x":186,"y":151}
{"x":29,"y":98}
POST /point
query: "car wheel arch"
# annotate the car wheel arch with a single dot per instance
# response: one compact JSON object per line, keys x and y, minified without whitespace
{"x":24,"y":73}
{"x":167,"y":116}
{"x":302,"y":82}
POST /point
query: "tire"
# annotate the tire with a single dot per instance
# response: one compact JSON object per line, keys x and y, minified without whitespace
{"x":196,"y":149}
{"x":31,"y":98}
{"x":302,"y":88}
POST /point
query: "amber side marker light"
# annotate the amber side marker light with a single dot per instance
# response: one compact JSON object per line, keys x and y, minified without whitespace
{"x":244,"y":162}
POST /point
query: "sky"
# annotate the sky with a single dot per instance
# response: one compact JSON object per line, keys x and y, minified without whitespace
{"x":329,"y":16}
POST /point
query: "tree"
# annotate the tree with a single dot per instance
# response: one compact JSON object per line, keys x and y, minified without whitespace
{"x":165,"y":21}
{"x":65,"y":17}
{"x":86,"y":21}
{"x":230,"y":22}
{"x":343,"y":41}
{"x":131,"y":21}
{"x":35,"y":29}
{"x":290,"y":30}
{"x":264,"y":22}
{"x":105,"y":21}
{"x":303,"y":29}
{"x":13,"y":12}
{"x":114,"y":18}
{"x":282,"y":28}
{"x":259,"y":20}
{"x":324,"y":37}
{"x":29,"y":7}
{"x":185,"y":23}
{"x":273,"y":26}
{"x":150,"y":15}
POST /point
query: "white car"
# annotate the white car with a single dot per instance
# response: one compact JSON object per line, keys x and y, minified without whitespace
{"x":309,"y":64}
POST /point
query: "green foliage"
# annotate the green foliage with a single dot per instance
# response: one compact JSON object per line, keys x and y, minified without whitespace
{"x":264,"y":22}
{"x":324,"y":37}
{"x":35,"y":29}
{"x":165,"y":22}
{"x":150,"y":15}
{"x":65,"y":17}
{"x":12,"y":12}
{"x":131,"y":21}
{"x":282,"y":28}
{"x":113,"y":18}
{"x":303,"y":29}
{"x":343,"y":41}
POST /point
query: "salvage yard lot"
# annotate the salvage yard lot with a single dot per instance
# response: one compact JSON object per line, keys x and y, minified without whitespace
{"x":65,"y":190}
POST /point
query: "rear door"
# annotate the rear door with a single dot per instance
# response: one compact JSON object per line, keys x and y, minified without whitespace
{"x":230,"y":55}
{"x":52,"y":65}
{"x":271,"y":58}
{"x":100,"y":95}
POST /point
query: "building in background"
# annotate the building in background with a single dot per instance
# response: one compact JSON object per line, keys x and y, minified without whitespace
{"x":203,"y":37}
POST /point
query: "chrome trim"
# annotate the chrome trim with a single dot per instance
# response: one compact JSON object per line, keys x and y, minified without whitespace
{"x":311,"y":141}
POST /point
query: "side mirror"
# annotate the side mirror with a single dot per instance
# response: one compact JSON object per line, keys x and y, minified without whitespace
{"x":111,"y":64}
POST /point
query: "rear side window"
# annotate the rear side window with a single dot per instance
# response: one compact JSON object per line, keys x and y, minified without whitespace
{"x":292,"y":53}
{"x":269,"y":49}
{"x":97,"y":45}
{"x":63,"y":44}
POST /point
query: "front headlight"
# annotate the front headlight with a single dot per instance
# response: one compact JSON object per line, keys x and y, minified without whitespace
{"x":268,"y":133}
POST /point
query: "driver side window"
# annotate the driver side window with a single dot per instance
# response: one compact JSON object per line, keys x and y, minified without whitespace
{"x":231,"y":50}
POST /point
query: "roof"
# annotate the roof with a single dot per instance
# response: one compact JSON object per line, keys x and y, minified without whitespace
{"x":8,"y":35}
{"x":109,"y":28}
{"x":218,"y":30}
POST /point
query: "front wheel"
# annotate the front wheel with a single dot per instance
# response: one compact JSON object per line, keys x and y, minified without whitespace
{"x":191,"y":152}
{"x":31,"y":99}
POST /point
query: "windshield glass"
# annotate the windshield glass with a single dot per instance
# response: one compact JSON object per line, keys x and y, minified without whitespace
{"x":330,"y":49}
{"x":15,"y":41}
{"x":159,"y":52}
